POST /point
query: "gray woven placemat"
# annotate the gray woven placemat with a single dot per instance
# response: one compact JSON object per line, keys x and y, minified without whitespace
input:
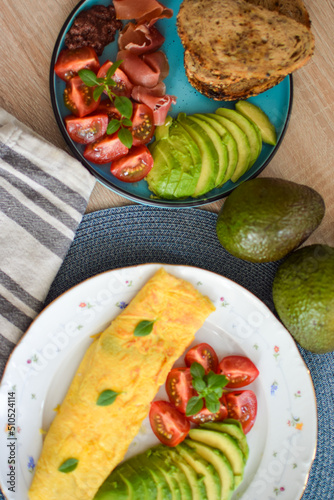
{"x":126,"y":236}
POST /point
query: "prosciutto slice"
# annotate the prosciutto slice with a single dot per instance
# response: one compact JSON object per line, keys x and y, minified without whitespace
{"x":143,"y":11}
{"x":147,"y":70}
{"x":140,"y":39}
{"x":158,"y":91}
{"x":160,"y":105}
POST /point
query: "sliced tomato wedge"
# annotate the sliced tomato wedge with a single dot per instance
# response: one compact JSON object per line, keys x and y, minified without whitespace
{"x":134,"y":166}
{"x":179,"y":387}
{"x":87,"y":129}
{"x":142,"y":124}
{"x":203,"y":354}
{"x":206,"y":416}
{"x":78,"y":98}
{"x":106,"y":107}
{"x":108,"y":148}
{"x":70,"y":61}
{"x":168,"y":424}
{"x":242,"y":406}
{"x":123,"y":85}
{"x":240,"y":371}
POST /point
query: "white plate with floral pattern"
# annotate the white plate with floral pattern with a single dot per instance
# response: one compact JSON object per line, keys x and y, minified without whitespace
{"x":283,"y":440}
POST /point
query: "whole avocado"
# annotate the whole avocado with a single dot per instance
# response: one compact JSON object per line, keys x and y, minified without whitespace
{"x":264,"y":219}
{"x":303,"y":294}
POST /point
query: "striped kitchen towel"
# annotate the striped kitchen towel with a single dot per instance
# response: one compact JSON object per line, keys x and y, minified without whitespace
{"x":43,"y":195}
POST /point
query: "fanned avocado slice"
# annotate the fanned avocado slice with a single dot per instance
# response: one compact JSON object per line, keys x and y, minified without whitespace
{"x":233,"y":430}
{"x":122,"y":484}
{"x":163,"y":453}
{"x":195,"y":480}
{"x":254,"y":113}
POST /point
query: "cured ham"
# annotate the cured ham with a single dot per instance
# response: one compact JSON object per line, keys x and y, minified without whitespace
{"x":158,"y":91}
{"x":160,"y":105}
{"x":140,"y":39}
{"x":144,"y":12}
{"x":158,"y":62}
{"x":147,"y":70}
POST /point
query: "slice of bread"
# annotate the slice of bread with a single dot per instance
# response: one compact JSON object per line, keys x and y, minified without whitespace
{"x":235,"y":49}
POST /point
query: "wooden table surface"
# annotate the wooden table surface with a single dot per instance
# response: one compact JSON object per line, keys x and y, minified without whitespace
{"x":29,"y":29}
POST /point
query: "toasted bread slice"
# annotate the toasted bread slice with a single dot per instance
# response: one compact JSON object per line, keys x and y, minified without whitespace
{"x":295,"y":9}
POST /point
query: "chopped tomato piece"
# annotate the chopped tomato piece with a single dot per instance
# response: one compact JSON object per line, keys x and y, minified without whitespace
{"x":142,"y":124}
{"x":106,"y":107}
{"x":203,"y":354}
{"x":105,"y":150}
{"x":207,"y":416}
{"x":240,"y":371}
{"x":179,"y":387}
{"x":78,"y":97}
{"x":123,"y":85}
{"x":242,"y":406}
{"x":87,"y":129}
{"x":168,"y":424}
{"x":70,"y":61}
{"x":134,"y":166}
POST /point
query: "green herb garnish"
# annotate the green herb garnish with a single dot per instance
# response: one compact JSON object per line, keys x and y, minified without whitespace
{"x":144,"y":328}
{"x":209,"y":388}
{"x":107,"y":397}
{"x":69,"y":465}
{"x":121,"y":103}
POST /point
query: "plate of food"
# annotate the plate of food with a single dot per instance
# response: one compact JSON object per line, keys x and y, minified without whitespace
{"x":166,"y":126}
{"x":77,"y":418}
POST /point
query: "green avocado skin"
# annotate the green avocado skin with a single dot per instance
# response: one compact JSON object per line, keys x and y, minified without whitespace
{"x":303,"y":294}
{"x":264,"y":219}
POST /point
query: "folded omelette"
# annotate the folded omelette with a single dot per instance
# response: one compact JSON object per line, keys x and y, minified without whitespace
{"x":94,"y":428}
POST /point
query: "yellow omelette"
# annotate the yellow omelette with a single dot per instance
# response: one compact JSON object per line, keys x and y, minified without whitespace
{"x":96,"y":437}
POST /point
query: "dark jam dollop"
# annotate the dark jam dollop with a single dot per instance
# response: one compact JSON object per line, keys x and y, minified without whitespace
{"x":95,"y":27}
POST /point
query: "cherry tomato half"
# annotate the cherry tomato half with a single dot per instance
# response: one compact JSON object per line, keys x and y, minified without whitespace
{"x":179,"y":387}
{"x":168,"y":424}
{"x":87,"y":129}
{"x":123,"y":85}
{"x":134,"y":166}
{"x":240,"y":371}
{"x":106,"y":107}
{"x":105,"y":150}
{"x":242,"y":406}
{"x":206,"y":416}
{"x":78,"y":97}
{"x":142,"y":124}
{"x":70,"y":61}
{"x":203,"y":354}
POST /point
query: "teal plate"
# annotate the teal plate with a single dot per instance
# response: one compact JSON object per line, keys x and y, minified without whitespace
{"x":276,"y":102}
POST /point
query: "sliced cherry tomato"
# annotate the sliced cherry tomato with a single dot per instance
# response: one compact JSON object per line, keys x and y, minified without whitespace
{"x":142,"y":124}
{"x":123,"y":85}
{"x":168,"y":424}
{"x":206,"y":416}
{"x":78,"y":97}
{"x":70,"y":61}
{"x":239,"y":370}
{"x":242,"y":406}
{"x":106,"y":107}
{"x":105,"y":150}
{"x":134,"y":166}
{"x":87,"y":129}
{"x":179,"y":387}
{"x":203,"y":354}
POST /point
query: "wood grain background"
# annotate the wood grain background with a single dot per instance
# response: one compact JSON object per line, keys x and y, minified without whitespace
{"x":29,"y":29}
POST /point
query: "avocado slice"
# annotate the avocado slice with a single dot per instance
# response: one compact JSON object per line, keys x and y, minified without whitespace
{"x":228,"y":140}
{"x":170,"y":474}
{"x":259,"y":117}
{"x":232,"y":430}
{"x":220,"y":463}
{"x":227,"y":445}
{"x":195,"y":480}
{"x":201,"y":466}
{"x":116,"y":487}
{"x":219,"y":146}
{"x":162,"y":452}
{"x":242,"y":145}
{"x":209,"y":171}
{"x":156,"y":486}
{"x":251,"y":130}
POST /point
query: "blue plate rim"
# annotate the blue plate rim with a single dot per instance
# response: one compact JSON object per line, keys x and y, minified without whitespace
{"x":138,"y":199}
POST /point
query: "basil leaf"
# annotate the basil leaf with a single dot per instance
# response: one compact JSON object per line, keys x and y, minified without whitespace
{"x":126,"y":122}
{"x":97,"y":93}
{"x":88,"y":77}
{"x":124,"y":106}
{"x":69,"y":465}
{"x":113,"y":126}
{"x":194,"y":405}
{"x":144,"y":328}
{"x":216,"y":381}
{"x":212,"y":403}
{"x":125,"y":137}
{"x":107,"y":397}
{"x":198,"y":384}
{"x":197,"y":370}
{"x":113,"y":68}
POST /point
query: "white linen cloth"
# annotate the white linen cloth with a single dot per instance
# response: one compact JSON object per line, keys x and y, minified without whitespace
{"x":43,"y":195}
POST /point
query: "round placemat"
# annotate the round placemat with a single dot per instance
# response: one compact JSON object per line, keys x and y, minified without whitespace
{"x":127,"y":236}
